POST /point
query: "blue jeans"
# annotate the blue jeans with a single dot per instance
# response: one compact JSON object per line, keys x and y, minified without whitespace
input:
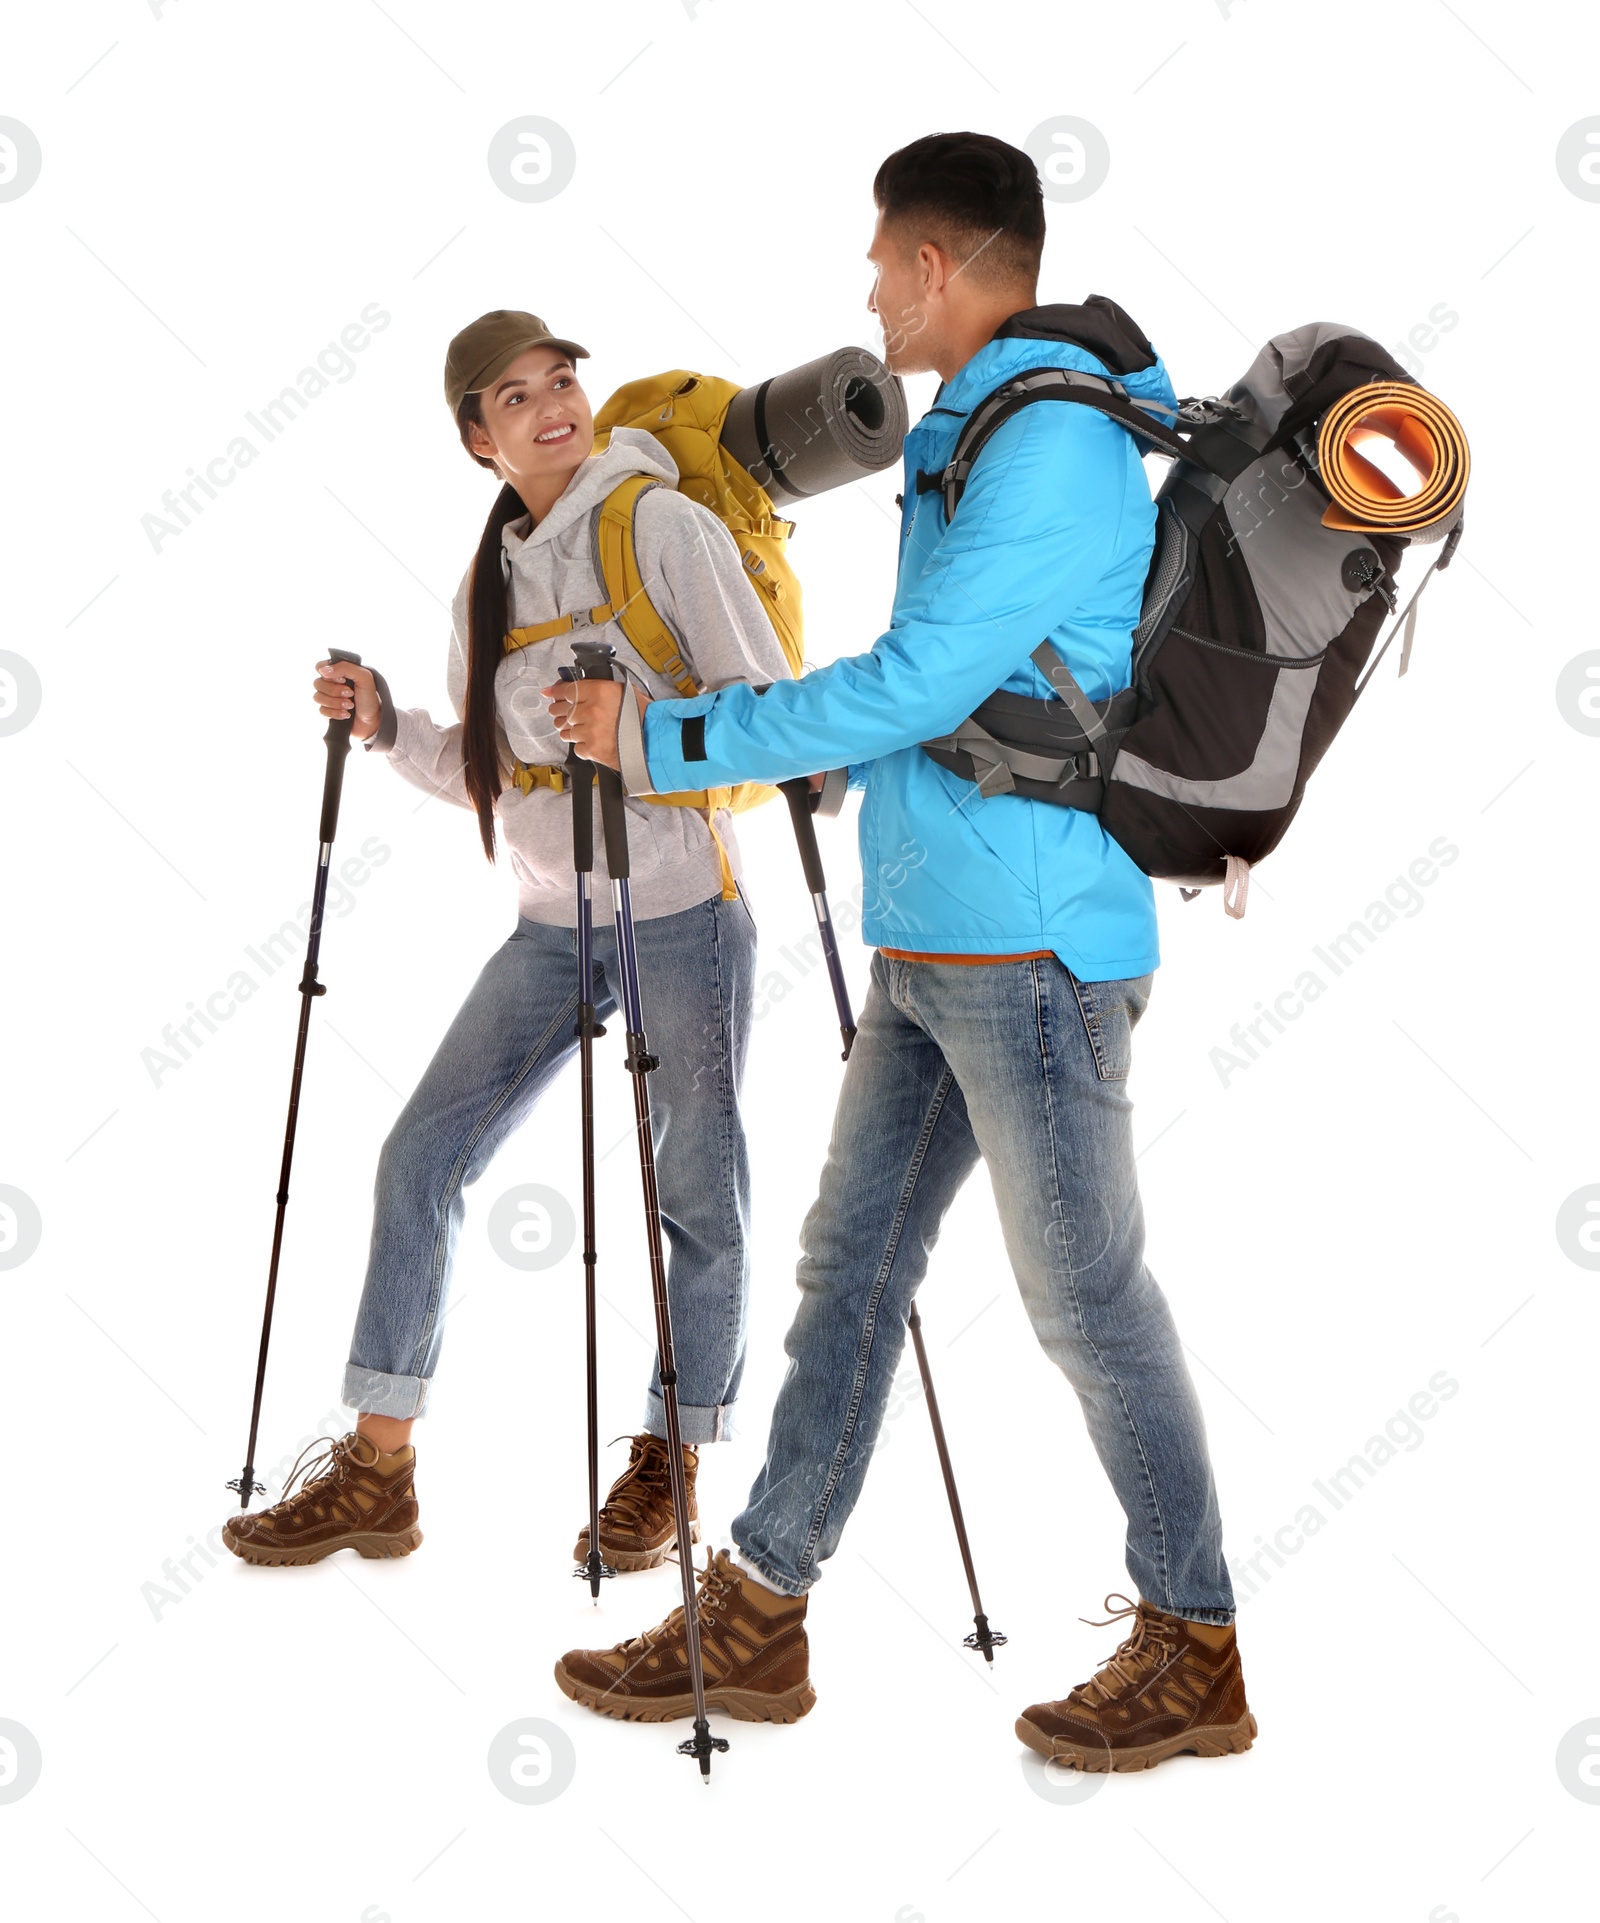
{"x":509,"y":1042}
{"x":1026,"y":1065}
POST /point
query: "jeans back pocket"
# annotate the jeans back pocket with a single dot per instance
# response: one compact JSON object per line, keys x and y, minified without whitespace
{"x":1110,"y":1012}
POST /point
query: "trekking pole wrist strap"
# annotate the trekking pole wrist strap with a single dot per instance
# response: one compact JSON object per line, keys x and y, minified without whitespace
{"x":829,"y":798}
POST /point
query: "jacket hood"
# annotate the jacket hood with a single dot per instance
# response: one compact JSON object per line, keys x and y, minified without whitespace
{"x":1032,"y":339}
{"x":1107,"y":330}
{"x":630,"y":450}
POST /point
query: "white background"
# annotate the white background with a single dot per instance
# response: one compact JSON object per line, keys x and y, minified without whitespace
{"x":1372,"y":1201}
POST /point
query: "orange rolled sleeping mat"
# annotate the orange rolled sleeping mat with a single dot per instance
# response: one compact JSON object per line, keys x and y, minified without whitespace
{"x":1425,"y":434}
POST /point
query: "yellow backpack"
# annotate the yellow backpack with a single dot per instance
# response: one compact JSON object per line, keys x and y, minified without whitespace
{"x":685,"y":413}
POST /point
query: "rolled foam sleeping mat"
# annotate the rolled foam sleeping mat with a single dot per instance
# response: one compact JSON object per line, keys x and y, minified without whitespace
{"x":1426,"y":435}
{"x":818,"y":426}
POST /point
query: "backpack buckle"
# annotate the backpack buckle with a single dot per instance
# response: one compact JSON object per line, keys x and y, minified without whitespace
{"x":1206,"y":412}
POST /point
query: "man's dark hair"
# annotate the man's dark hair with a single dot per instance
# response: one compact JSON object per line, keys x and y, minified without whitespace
{"x":974,"y":197}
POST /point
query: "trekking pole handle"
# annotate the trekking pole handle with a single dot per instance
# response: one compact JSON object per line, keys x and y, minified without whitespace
{"x":798,"y":795}
{"x":580,"y":779}
{"x":338,"y":743}
{"x":595,"y":661}
{"x":801,"y":806}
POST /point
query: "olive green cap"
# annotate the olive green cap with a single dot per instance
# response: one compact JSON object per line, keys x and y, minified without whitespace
{"x":481,"y":353}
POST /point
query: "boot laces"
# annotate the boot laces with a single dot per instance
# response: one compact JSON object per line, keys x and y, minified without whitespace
{"x":1137,"y":1657}
{"x":715,"y":1586}
{"x":331,"y":1465}
{"x":641,"y":1486}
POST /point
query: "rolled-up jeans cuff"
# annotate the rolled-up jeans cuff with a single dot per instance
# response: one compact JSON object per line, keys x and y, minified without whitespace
{"x":372,"y":1393}
{"x":695,"y":1424}
{"x":785,"y":1585}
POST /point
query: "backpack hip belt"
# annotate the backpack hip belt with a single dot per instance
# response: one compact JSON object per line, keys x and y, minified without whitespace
{"x":1040,"y":750}
{"x":708,"y":802}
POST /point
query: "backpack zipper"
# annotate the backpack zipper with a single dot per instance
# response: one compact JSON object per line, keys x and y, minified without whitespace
{"x":1253,"y":654}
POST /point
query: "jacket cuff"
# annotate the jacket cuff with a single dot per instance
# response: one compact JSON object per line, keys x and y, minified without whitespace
{"x":388,"y":719}
{"x":677,"y":763}
{"x":630,"y":747}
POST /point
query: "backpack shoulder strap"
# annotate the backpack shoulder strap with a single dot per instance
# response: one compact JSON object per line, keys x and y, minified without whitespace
{"x":1106,"y":396}
{"x":635,"y":613}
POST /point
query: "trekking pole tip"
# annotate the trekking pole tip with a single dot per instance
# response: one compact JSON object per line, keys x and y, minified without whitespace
{"x":700,"y":1746}
{"x":593,"y":1570}
{"x":848,"y":1035}
{"x":984,"y":1638}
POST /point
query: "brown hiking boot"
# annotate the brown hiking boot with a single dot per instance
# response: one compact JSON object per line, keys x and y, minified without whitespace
{"x":345,"y":1502}
{"x":752,"y":1650}
{"x":1172,"y":1685}
{"x":637,"y":1530}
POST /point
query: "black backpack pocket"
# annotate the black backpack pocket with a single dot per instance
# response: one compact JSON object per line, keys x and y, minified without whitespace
{"x":1213,"y":765}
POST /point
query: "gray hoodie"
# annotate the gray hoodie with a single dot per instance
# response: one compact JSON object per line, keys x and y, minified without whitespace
{"x":694,"y":576}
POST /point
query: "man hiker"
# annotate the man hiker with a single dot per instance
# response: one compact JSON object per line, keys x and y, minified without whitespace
{"x":1015,"y":949}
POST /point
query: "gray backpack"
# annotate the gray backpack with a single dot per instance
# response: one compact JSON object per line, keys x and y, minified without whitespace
{"x":1257,"y":617}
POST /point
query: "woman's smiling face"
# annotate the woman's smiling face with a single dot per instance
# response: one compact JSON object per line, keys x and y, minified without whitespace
{"x":538,"y":426}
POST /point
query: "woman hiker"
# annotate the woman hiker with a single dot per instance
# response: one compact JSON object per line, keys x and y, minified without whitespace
{"x":513,"y":389}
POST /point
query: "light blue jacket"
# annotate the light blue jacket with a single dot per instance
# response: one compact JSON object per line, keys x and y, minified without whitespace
{"x":1052,"y":538}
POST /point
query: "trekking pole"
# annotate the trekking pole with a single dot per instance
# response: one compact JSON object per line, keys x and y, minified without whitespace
{"x":594,"y":659}
{"x":338,"y":744}
{"x":982,"y":1637}
{"x":802,"y":804}
{"x":580,"y":779}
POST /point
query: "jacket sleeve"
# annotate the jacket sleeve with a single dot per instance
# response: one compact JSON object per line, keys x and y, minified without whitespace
{"x":1040,"y":516}
{"x":428,"y":756}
